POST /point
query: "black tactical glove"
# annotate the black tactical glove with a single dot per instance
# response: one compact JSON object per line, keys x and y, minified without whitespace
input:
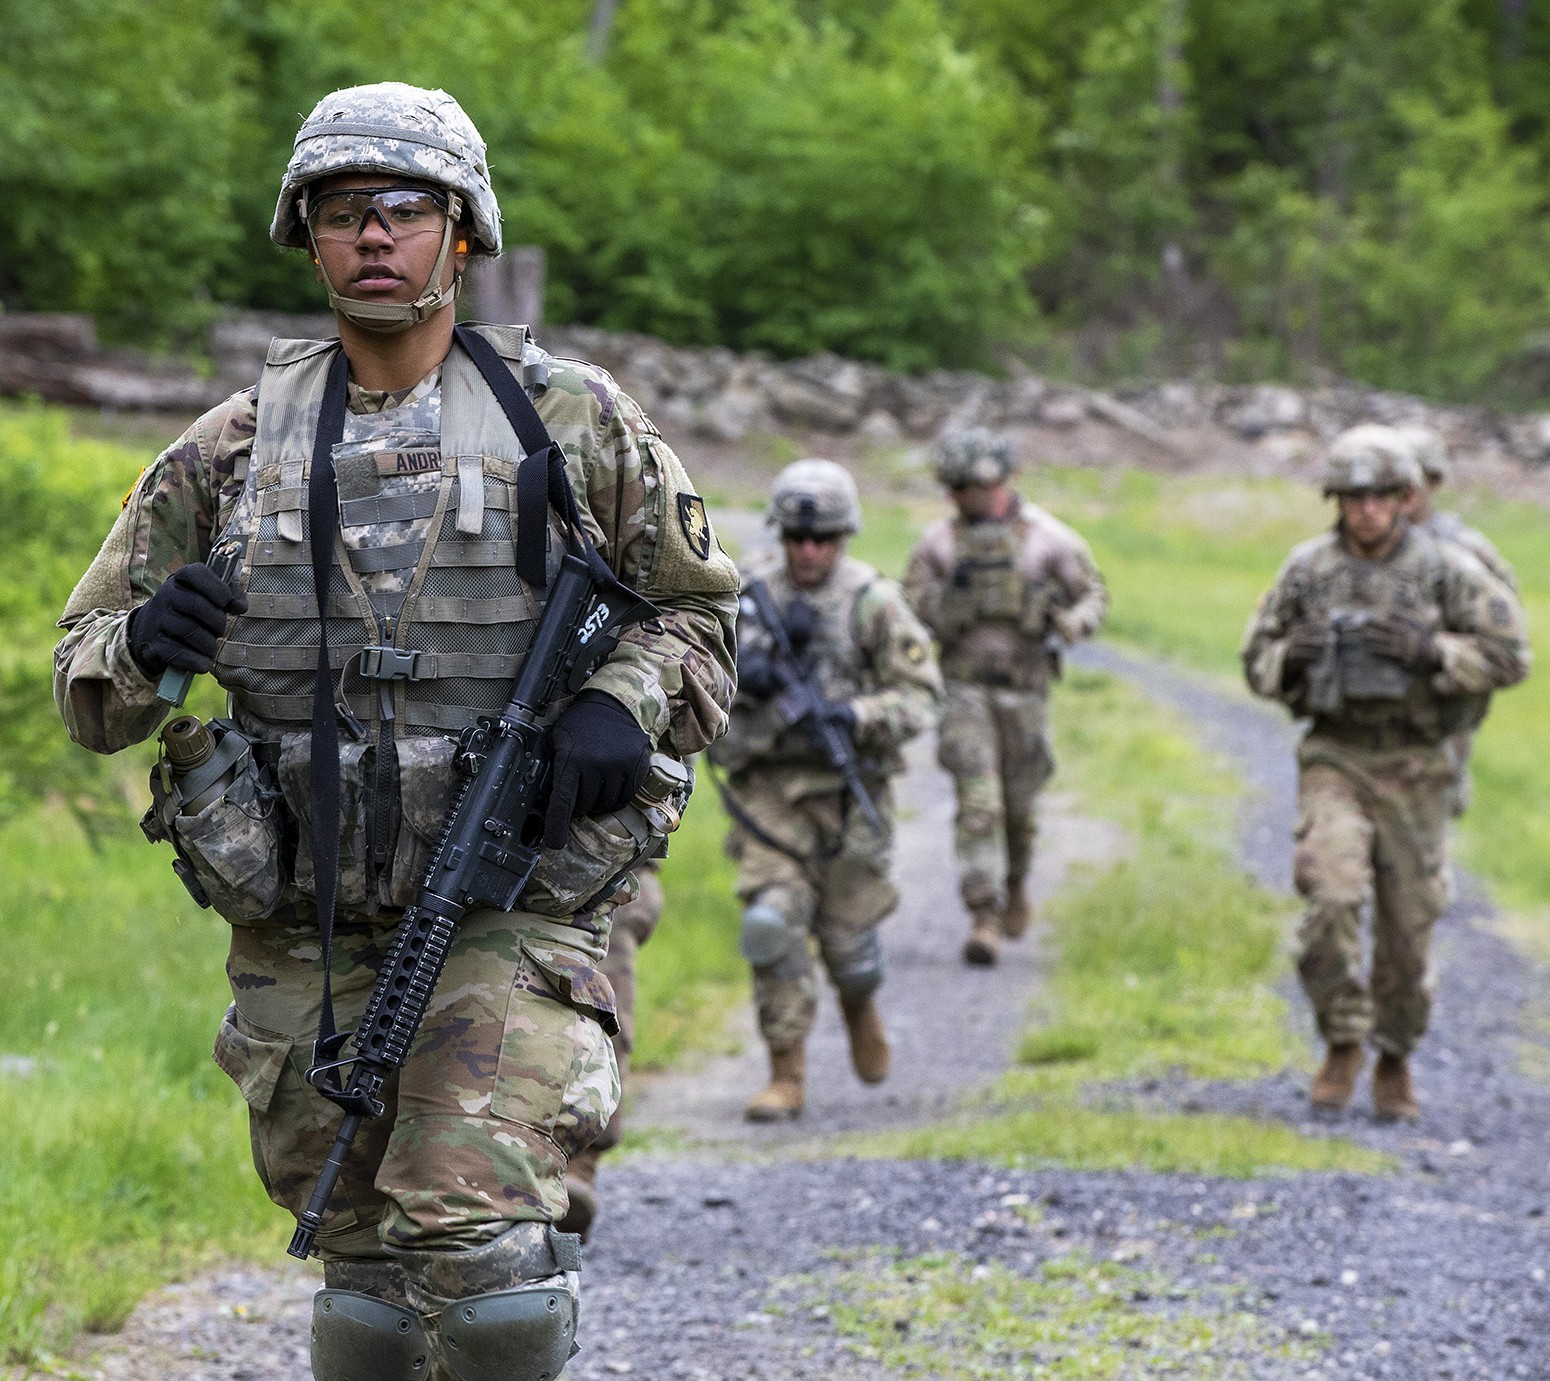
{"x":756,"y":674}
{"x":180,"y":625}
{"x":601,"y":757}
{"x":1305,"y":644}
{"x":1400,"y":640}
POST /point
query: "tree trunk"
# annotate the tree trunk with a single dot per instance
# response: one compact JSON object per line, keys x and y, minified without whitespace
{"x":600,"y":30}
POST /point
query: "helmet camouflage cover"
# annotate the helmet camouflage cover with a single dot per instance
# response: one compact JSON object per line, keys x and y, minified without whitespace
{"x":393,"y":128}
{"x":974,"y":456}
{"x":1370,"y":457}
{"x":815,"y":496}
{"x":1428,"y":449}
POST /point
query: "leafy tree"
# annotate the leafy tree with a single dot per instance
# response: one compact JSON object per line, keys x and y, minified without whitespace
{"x":116,"y":150}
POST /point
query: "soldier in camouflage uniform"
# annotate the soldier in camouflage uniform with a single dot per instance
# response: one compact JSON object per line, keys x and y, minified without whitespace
{"x":811,"y":867}
{"x":633,"y":924}
{"x":1388,"y":641}
{"x":450,"y":1196}
{"x":1004,"y":587}
{"x":1429,"y":452}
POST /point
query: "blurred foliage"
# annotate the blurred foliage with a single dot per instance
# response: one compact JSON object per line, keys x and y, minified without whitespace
{"x":61,"y":495}
{"x":1249,"y":186}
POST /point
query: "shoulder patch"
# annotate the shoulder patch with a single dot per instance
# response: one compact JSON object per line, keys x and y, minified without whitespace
{"x":695,"y":524}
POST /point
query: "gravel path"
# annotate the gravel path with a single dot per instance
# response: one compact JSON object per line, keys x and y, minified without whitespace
{"x":710,"y":1261}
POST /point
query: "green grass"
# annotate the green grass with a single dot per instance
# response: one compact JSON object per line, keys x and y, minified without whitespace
{"x":1187,"y":558}
{"x":1074,"y":1316}
{"x":1166,"y":960}
{"x":692,"y":974}
{"x":125,"y":1156}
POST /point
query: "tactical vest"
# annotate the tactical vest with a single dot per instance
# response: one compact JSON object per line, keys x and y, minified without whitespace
{"x":994,"y":612}
{"x":758,"y":733}
{"x":412,"y":669}
{"x":1352,"y":691}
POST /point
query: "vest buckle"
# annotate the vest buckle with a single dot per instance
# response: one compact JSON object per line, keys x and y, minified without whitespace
{"x":390,"y":664}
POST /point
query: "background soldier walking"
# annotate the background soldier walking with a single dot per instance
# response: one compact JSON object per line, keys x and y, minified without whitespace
{"x":1390,"y":642}
{"x":813,"y":867}
{"x":1004,"y":587}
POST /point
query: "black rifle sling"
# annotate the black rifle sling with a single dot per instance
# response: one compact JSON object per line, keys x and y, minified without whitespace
{"x":323,"y":761}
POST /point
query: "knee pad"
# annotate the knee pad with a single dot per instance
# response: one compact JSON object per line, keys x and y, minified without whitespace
{"x":359,"y":1337}
{"x":525,"y":1334}
{"x":505,"y":1311}
{"x":767,"y":936}
{"x":856,"y":965}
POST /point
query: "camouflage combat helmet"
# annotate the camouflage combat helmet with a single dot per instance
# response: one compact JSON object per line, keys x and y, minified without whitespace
{"x":405,"y":132}
{"x":973,"y":456}
{"x":1428,"y":450}
{"x":1370,"y":457}
{"x":815,"y":496}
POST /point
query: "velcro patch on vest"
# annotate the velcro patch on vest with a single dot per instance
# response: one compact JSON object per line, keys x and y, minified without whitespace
{"x":417,"y":460}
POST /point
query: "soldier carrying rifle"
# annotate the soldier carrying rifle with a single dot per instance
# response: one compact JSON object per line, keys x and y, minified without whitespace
{"x":834,"y":675}
{"x":408,"y":502}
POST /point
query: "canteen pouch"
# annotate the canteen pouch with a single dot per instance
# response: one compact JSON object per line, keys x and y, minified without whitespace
{"x":605,"y":849}
{"x":231,"y":851}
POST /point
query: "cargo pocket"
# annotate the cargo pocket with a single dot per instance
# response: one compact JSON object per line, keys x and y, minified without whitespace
{"x":557,"y":1072}
{"x":235,"y":846}
{"x":355,"y":760}
{"x":425,"y":776}
{"x":253,"y":1058}
{"x":602,"y":848}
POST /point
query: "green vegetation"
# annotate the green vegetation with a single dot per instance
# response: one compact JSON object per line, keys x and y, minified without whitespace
{"x":943,"y":1316}
{"x":125,"y":1160}
{"x":1251,"y":187}
{"x":1164,"y":961}
{"x":692,"y":973}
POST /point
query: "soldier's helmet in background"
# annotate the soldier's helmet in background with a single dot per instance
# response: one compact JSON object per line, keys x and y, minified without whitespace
{"x":972,"y":456}
{"x":1371,"y":457}
{"x":815,"y":496}
{"x":1429,"y":450}
{"x":401,"y":131}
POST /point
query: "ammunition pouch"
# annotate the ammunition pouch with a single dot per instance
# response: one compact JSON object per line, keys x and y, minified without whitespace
{"x":231,"y":848}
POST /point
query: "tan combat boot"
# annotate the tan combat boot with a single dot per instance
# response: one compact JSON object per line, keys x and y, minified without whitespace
{"x":868,"y":1040}
{"x":581,"y":1186}
{"x":784,"y":1097}
{"x":1393,"y":1096}
{"x":1334,"y":1084}
{"x":983,"y":946}
{"x":1017,"y":914}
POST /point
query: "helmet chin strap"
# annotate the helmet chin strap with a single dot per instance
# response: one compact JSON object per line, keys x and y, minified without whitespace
{"x":389,"y":317}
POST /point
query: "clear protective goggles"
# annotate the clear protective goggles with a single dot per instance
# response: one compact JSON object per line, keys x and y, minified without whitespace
{"x":403,"y":212}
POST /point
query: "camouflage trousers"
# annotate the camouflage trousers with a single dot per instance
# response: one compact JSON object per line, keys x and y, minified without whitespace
{"x":511,"y":1074}
{"x":826,"y":887}
{"x":995,"y":744}
{"x":1371,"y":828}
{"x":634,"y":924}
